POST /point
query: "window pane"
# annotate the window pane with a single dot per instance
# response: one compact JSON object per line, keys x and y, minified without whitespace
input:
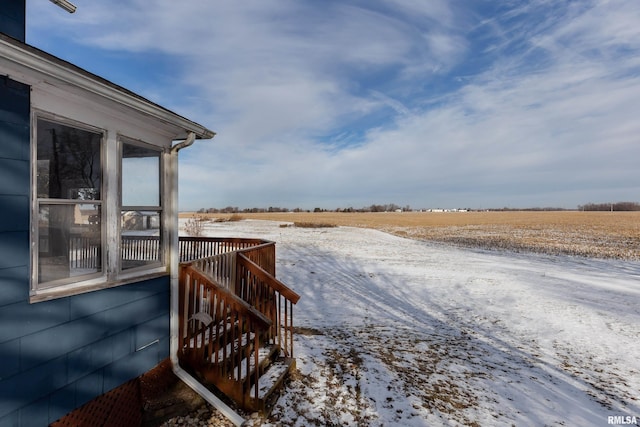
{"x":140,"y":238}
{"x":68,"y":164}
{"x":140,"y":176}
{"x":70,"y":240}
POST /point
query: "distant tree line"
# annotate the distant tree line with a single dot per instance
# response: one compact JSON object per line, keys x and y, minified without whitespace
{"x":235,"y":209}
{"x":390,"y":207}
{"x":618,"y":206}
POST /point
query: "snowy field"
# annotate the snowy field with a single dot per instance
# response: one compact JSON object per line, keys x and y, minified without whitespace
{"x":394,"y":331}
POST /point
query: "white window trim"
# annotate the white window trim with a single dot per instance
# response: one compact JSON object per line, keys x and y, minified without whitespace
{"x":111,"y":274}
{"x":163,"y":199}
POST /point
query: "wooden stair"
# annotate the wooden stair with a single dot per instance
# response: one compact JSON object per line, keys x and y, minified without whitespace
{"x":269,"y":376}
{"x":271,"y":383}
{"x":236,"y":324}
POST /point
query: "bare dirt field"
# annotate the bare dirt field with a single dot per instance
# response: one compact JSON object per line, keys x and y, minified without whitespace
{"x":590,"y":234}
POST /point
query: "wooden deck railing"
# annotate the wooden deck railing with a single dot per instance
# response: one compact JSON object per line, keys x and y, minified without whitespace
{"x":192,"y":248}
{"x":221,"y":338}
{"x":84,"y":252}
{"x":140,"y":248}
{"x":230,"y":293}
{"x":271,"y":297}
{"x":232,"y":310}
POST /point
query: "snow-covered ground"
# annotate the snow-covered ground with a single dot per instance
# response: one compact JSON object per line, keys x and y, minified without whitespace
{"x":394,"y":331}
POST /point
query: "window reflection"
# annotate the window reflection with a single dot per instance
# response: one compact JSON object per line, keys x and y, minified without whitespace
{"x":140,"y":244}
{"x":68,"y":186}
{"x":70,"y":241}
{"x":140,"y":176}
{"x":140,"y":224}
{"x":68,"y":164}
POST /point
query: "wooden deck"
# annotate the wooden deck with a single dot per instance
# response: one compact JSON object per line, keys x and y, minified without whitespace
{"x":236,"y":318}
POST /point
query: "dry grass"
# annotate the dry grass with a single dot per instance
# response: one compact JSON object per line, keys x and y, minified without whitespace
{"x":314,"y":224}
{"x":591,"y":234}
{"x":228,"y":218}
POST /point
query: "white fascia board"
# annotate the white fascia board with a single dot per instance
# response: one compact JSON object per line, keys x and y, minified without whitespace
{"x":44,"y":67}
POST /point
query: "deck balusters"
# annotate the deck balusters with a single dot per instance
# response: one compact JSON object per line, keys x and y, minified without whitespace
{"x":249,"y":309}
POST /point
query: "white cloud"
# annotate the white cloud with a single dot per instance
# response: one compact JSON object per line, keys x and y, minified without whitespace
{"x":364,"y":102}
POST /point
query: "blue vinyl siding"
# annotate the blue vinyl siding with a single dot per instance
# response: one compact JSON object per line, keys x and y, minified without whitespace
{"x":61,"y":402}
{"x":10,"y":421}
{"x":57,"y":355}
{"x":65,"y":363}
{"x":88,"y":388}
{"x":12,"y":285}
{"x":11,"y":217}
{"x":12,"y":18}
{"x":14,"y":249}
{"x":11,"y":174}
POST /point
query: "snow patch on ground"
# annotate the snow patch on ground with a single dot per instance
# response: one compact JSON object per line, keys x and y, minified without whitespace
{"x":393,"y":331}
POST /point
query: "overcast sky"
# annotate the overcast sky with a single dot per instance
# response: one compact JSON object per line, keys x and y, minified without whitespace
{"x":438,"y":103}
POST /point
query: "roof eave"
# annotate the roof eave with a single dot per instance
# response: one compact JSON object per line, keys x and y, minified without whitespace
{"x":48,"y":65}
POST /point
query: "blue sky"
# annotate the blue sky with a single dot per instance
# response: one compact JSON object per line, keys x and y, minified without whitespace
{"x":467,"y":103}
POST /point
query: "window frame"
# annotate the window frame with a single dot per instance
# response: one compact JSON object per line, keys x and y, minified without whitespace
{"x":162,"y":262}
{"x":37,"y":202}
{"x":111,"y":273}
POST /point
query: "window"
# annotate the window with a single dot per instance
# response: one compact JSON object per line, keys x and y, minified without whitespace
{"x":141,"y":210}
{"x":68,"y":203}
{"x":93,"y":226}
